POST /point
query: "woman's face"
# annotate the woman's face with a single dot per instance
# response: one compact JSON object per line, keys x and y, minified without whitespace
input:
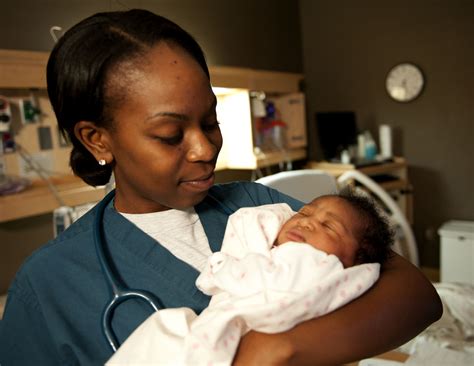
{"x":166,"y":137}
{"x":329,"y":224}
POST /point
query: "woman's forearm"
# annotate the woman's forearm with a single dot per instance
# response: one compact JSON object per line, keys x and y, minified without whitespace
{"x":399,"y":306}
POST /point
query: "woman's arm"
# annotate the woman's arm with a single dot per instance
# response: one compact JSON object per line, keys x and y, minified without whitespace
{"x":399,"y":306}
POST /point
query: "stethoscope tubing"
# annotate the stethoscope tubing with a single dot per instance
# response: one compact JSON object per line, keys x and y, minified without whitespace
{"x":119,"y":292}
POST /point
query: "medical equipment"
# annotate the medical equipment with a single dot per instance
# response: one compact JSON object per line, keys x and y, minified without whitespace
{"x":120,"y":293}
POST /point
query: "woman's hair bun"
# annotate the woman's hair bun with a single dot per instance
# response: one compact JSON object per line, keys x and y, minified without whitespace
{"x":84,"y":165}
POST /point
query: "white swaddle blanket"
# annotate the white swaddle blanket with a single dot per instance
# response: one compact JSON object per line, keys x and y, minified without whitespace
{"x":254,"y":286}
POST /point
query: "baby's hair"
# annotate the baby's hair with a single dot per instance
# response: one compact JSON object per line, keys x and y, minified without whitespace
{"x":377,"y":235}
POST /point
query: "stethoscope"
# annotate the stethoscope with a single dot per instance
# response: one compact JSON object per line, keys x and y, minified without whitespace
{"x":121,"y":293}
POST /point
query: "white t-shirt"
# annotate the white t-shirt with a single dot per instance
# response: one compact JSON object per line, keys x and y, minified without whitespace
{"x":179,"y":231}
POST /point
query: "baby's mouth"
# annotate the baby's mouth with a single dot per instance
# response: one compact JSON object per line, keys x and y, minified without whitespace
{"x":294,"y":235}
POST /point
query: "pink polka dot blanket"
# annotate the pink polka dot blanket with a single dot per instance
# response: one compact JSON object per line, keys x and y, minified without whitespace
{"x":253,"y":286}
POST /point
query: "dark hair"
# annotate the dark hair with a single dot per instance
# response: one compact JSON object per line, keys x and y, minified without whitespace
{"x":376,"y":235}
{"x":78,"y":68}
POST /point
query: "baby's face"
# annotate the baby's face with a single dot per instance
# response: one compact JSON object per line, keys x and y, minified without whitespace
{"x":329,"y":224}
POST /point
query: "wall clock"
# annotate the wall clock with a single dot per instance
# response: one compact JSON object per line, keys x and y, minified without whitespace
{"x":404,"y":82}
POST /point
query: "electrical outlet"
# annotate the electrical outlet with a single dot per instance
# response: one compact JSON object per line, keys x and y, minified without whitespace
{"x":41,"y":160}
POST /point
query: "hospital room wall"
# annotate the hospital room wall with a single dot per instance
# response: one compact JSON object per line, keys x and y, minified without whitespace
{"x":262,"y":34}
{"x":348,"y":48}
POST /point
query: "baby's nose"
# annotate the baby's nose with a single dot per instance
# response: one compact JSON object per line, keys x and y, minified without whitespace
{"x":305,"y":224}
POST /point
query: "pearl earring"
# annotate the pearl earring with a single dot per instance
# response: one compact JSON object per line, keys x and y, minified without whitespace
{"x":102,"y":162}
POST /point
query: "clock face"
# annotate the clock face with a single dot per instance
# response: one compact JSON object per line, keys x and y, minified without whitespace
{"x":404,"y":82}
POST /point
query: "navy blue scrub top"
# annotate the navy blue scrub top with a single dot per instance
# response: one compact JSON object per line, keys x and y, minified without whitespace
{"x":55,"y":303}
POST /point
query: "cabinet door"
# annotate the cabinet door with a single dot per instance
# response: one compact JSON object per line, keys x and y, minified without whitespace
{"x":234,"y":115}
{"x":292,"y":111}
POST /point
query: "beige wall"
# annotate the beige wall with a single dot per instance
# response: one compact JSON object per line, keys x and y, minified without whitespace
{"x":263,"y":34}
{"x":348,"y":48}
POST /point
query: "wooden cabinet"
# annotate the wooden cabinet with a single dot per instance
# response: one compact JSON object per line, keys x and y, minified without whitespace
{"x":234,"y":88}
{"x":392,"y":176}
{"x":38,"y":198}
{"x":241,"y":148}
{"x":21,"y":71}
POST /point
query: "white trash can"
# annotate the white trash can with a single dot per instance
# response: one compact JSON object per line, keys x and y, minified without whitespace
{"x":457,"y":251}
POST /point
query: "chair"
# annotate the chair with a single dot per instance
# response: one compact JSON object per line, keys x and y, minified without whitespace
{"x":303,"y":184}
{"x":405,"y":243}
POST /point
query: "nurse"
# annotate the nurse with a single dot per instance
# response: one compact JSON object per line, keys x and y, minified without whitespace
{"x":131,"y":91}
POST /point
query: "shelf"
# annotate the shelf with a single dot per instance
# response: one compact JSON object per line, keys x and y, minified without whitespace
{"x":252,"y":79}
{"x":397,"y":184}
{"x":276,"y":157}
{"x":38,"y":199}
{"x":273,"y":158}
{"x":27,"y":69}
{"x":23,"y":69}
{"x":336,"y":169}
